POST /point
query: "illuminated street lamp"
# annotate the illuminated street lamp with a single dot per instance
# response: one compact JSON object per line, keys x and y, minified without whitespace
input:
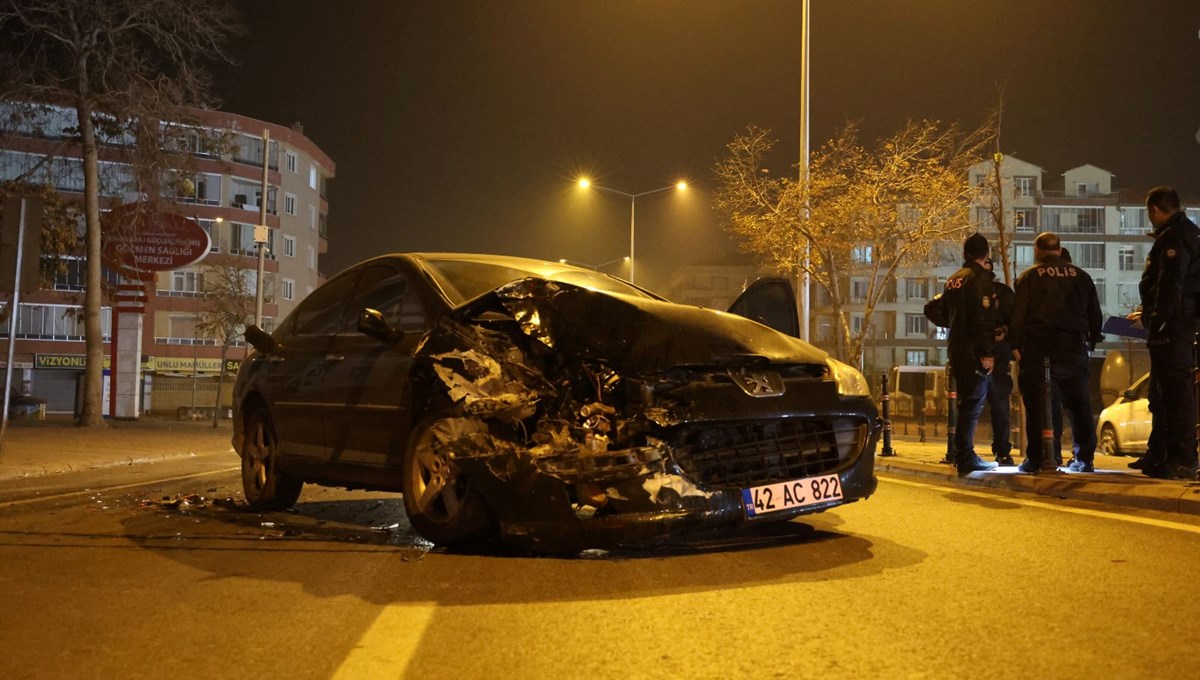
{"x":593,"y":267}
{"x":585,"y":183}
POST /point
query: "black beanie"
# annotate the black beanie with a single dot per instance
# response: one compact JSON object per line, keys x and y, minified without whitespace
{"x":975,"y":247}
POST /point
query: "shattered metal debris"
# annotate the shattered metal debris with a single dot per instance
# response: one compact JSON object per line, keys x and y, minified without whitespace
{"x":655,"y":484}
{"x":179,"y":501}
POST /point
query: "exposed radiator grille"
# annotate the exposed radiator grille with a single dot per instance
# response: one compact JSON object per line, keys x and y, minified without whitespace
{"x":738,"y":455}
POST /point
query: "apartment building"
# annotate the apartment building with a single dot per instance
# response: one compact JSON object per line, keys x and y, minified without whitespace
{"x":179,"y":364}
{"x":1105,"y":230}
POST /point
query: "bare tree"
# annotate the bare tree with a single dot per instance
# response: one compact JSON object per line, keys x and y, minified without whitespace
{"x":995,"y":188}
{"x":228,"y":308}
{"x":124,"y":66}
{"x":861,"y":213}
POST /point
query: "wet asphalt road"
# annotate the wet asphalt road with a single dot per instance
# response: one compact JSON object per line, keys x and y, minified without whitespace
{"x":919,"y":581}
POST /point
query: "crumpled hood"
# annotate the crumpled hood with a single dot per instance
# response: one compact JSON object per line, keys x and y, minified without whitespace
{"x":639,"y":334}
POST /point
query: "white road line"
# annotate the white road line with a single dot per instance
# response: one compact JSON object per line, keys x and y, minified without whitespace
{"x":387,"y":647}
{"x":1161,"y":523}
{"x":99,"y":489}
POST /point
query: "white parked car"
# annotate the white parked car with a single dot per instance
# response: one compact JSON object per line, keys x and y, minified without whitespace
{"x":1124,"y":427}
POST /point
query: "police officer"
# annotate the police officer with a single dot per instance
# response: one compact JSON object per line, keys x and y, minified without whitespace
{"x":968,"y":299}
{"x":1001,"y":383}
{"x":1169,"y":288}
{"x":1056,"y":314}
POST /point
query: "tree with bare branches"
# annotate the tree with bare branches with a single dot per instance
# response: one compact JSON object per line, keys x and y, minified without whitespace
{"x":859,"y":212}
{"x":228,"y":308}
{"x":125,"y":67}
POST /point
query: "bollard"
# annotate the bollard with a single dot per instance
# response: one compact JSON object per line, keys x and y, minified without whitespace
{"x":1049,"y":461}
{"x":887,"y":419}
{"x":951,"y":413}
{"x":1196,"y":380}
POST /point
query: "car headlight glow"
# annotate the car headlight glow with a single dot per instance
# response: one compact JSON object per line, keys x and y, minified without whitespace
{"x":849,"y":381}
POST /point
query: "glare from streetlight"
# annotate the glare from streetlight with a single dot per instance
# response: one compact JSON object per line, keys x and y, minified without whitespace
{"x":584,"y":182}
{"x":681,"y":185}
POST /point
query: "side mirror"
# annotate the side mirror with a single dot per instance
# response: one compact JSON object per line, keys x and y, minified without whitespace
{"x":1129,"y":395}
{"x":372,"y":323}
{"x":259,"y":339}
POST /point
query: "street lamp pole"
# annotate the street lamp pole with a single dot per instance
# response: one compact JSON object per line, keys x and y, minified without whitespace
{"x":679,"y":186}
{"x":806,"y":289}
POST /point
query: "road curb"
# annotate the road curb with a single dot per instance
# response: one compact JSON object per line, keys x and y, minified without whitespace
{"x":1122,"y":491}
{"x":9,"y":472}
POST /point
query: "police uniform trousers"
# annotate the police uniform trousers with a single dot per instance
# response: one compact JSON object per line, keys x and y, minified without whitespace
{"x":971,"y":384}
{"x":999,"y":390}
{"x":1172,"y":404}
{"x":1069,"y":385}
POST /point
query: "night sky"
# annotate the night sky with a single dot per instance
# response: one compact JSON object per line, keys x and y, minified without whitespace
{"x":461,"y":125}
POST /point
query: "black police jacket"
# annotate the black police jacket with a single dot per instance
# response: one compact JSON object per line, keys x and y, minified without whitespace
{"x":1055,"y":309}
{"x":1171,"y":281}
{"x":968,"y":300}
{"x":1002,"y":296}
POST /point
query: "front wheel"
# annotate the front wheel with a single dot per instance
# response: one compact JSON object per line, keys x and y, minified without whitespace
{"x":1108,"y":445}
{"x":263,"y":486}
{"x":442,"y":505}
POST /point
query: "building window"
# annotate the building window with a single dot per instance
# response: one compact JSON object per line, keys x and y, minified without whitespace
{"x":312,"y":258}
{"x":1101,"y":290}
{"x":916,"y":324}
{"x":856,"y":323}
{"x":1023,"y":256}
{"x":984,"y":218}
{"x":1025,"y":219}
{"x":289,"y":289}
{"x":187,"y":282}
{"x":312,"y":216}
{"x":1134,"y":221}
{"x":1127,"y":259}
{"x":858,"y":290}
{"x":862,"y":254}
{"x":291,"y":161}
{"x":1074,"y":220}
{"x":1086,"y":255}
{"x":289,"y":204}
{"x":1025,"y":186}
{"x":289,"y":246}
{"x":916,"y":289}
{"x":1128,"y":296}
{"x":312,"y":176}
{"x":916,"y":357}
{"x":213,"y":230}
{"x":55,"y":322}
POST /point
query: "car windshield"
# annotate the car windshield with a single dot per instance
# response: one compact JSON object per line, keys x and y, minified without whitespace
{"x":462,"y":280}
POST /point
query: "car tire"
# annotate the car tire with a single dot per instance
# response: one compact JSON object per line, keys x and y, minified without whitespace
{"x":262,"y":484}
{"x":442,"y":505}
{"x":1108,"y":444}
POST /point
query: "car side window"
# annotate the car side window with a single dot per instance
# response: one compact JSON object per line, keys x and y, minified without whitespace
{"x":1143,"y":390}
{"x":387,"y":291}
{"x":321,"y":312}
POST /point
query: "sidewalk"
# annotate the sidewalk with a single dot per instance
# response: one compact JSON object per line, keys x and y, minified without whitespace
{"x":55,"y":445}
{"x":1113,"y":483}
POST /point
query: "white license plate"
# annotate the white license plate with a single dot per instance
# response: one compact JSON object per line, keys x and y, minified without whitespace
{"x":798,"y":493}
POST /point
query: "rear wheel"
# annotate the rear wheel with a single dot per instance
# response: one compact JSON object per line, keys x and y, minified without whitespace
{"x":1108,"y":445}
{"x":263,"y":486}
{"x":442,"y":505}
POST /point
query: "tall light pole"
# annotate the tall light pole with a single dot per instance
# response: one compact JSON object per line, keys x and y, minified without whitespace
{"x":585,"y":183}
{"x":806,"y":288}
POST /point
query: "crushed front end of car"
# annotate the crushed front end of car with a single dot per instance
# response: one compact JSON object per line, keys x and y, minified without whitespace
{"x":588,"y":419}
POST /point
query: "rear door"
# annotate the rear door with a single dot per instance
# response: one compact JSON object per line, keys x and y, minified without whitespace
{"x":772,"y":303}
{"x":297,"y":366}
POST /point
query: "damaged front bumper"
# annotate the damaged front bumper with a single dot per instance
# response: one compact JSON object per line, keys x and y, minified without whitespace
{"x":576,"y":500}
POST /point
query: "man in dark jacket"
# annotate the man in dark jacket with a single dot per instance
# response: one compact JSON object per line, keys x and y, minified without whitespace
{"x":1056,"y":315}
{"x":968,"y":299}
{"x":1169,"y":288}
{"x":1001,"y":382}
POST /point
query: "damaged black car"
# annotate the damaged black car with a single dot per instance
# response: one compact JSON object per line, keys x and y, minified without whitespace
{"x":549,"y":406}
